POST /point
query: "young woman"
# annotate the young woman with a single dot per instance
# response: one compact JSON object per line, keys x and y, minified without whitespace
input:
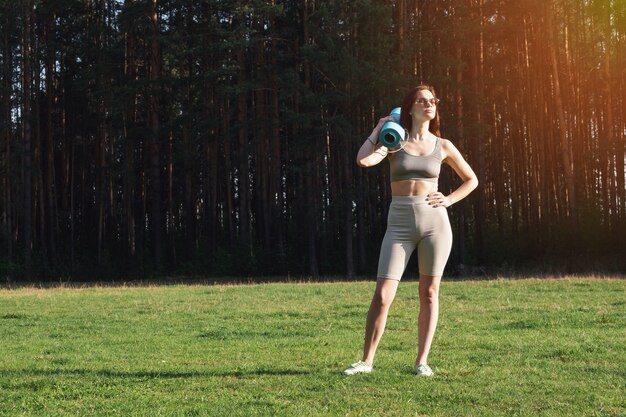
{"x":417,"y":219}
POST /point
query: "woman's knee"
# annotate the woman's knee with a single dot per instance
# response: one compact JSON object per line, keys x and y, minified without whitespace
{"x":429,"y":291}
{"x":429,"y":295}
{"x":384,"y":294}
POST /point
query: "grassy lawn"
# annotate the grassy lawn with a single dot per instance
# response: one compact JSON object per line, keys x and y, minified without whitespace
{"x":503,"y":348}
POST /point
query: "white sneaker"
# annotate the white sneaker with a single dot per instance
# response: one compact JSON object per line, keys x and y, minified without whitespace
{"x":423,"y":370}
{"x":359,"y":367}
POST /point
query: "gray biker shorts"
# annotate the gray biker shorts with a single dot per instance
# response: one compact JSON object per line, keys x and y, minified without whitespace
{"x":412,"y":223}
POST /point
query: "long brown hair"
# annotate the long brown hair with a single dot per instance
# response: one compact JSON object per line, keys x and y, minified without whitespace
{"x":409,"y":99}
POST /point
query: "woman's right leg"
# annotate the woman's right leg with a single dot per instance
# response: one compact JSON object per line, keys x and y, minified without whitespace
{"x":377,"y":316}
{"x":395,"y":251}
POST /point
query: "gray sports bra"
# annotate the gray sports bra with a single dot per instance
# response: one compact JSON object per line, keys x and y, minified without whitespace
{"x":404,"y":166}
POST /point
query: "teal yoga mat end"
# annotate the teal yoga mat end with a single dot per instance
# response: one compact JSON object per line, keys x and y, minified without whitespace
{"x":392,"y":132}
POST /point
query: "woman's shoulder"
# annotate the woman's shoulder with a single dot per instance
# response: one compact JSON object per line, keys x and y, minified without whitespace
{"x":446,"y":144}
{"x":448,"y":149}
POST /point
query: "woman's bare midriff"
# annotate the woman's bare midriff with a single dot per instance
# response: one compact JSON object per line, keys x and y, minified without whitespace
{"x":412,"y":187}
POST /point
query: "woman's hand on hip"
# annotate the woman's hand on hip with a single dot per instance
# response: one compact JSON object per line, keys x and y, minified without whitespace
{"x":437,"y":199}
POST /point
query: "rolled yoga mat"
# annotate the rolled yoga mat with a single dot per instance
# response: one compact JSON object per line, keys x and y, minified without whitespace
{"x":392,"y":132}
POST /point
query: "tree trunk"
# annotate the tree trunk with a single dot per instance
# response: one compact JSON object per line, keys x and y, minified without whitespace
{"x":50,"y":172}
{"x":243,"y":150}
{"x":276,"y":174}
{"x":101,"y":136}
{"x":7,"y":183}
{"x":171,"y":218}
{"x":129,"y":120}
{"x":479,"y":154}
{"x":612,"y":144}
{"x":27,"y":116}
{"x":156,"y":205}
{"x":460,"y":235}
{"x":566,"y":147}
{"x":189,"y":198}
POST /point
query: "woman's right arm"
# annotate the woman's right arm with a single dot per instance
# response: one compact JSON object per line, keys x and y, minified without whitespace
{"x":371,"y":152}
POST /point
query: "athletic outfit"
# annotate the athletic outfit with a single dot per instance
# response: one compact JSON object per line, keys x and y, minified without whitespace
{"x":413,"y":223}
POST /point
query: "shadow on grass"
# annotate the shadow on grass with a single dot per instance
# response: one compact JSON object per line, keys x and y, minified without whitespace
{"x":107,"y":373}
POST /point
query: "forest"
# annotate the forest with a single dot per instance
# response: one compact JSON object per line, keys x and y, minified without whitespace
{"x":159,"y":138}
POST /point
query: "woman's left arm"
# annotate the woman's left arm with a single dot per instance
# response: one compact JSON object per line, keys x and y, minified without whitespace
{"x":453,"y":157}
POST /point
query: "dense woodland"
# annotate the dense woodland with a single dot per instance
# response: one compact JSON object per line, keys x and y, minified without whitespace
{"x":218,"y":138}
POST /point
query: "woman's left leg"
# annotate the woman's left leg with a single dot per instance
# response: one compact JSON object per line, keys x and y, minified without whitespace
{"x":428,"y":315}
{"x":433,"y":251}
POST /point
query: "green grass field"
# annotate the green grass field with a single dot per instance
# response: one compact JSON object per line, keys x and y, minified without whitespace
{"x":503,"y":348}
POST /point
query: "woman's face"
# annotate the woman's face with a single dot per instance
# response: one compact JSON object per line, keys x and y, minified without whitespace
{"x":425,"y":106}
